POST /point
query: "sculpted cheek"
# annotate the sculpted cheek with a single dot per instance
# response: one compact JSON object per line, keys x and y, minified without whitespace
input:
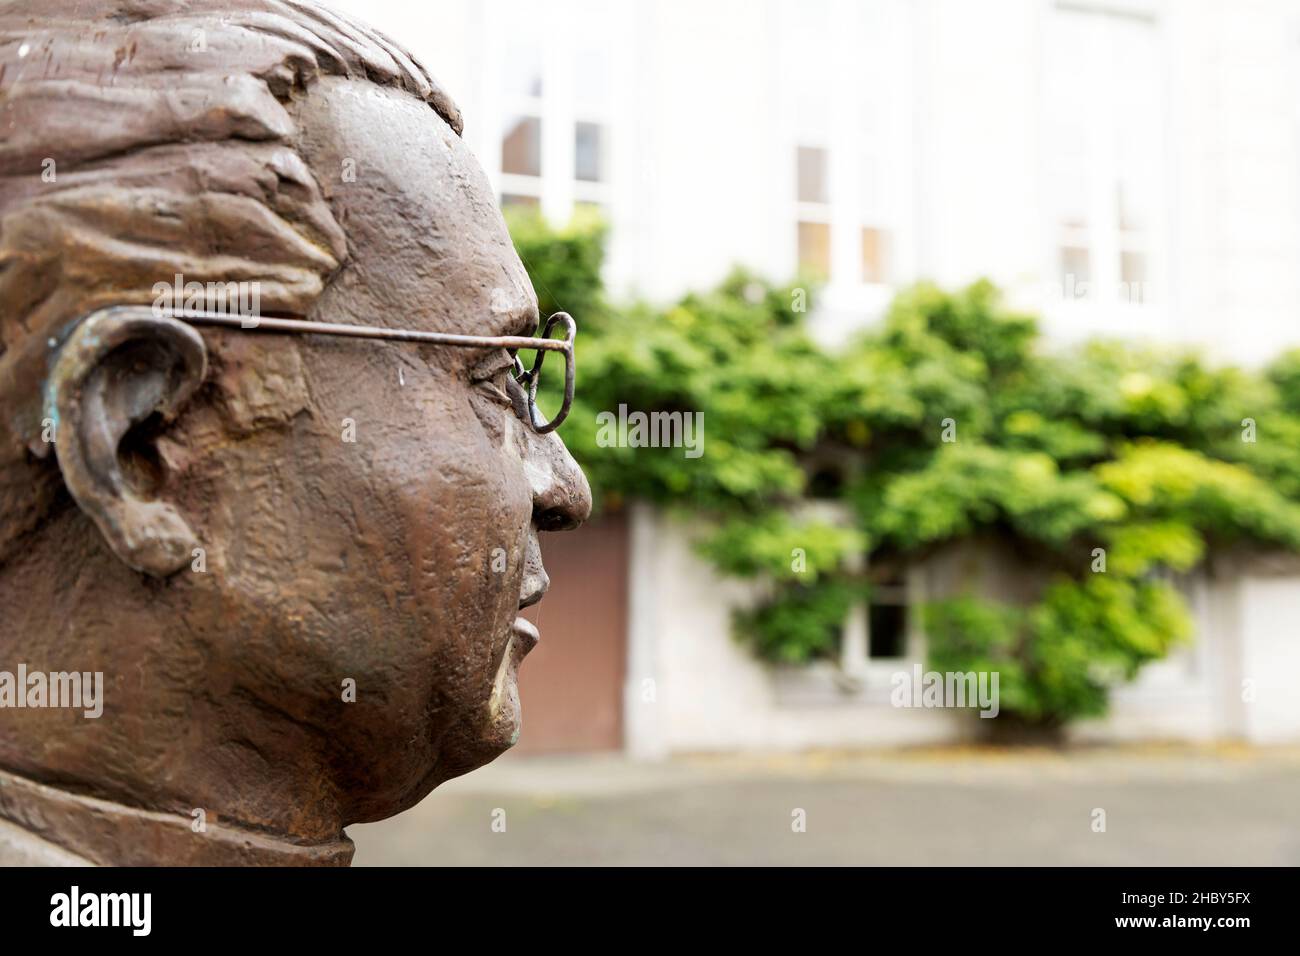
{"x":258,"y":383}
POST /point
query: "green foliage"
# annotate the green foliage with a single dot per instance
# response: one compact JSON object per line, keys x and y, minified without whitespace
{"x":1226,"y":500}
{"x":800,"y":627}
{"x":735,"y":354}
{"x":970,"y":634}
{"x":1058,"y":659}
{"x":564,"y":264}
{"x":964,"y":487}
{"x":1137,"y":548}
{"x":778,"y":546}
{"x":1087,"y":635}
{"x":1139,"y":451}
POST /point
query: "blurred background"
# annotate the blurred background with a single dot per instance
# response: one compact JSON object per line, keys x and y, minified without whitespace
{"x":987,"y":311}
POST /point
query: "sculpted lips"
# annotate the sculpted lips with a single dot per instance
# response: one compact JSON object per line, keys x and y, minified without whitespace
{"x":523,"y":638}
{"x":531,"y":590}
{"x":526,"y":635}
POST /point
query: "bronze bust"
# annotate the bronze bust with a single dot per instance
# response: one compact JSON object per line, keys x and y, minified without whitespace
{"x":292,"y":564}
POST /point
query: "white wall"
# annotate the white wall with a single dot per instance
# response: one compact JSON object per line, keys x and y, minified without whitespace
{"x":1239,"y":235}
{"x":978,"y":186}
{"x":1270,"y":659}
{"x":1238,"y":678}
{"x":712,"y":694}
{"x":692,"y":687}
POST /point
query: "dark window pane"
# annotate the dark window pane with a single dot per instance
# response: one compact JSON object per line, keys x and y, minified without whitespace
{"x":888,"y":630}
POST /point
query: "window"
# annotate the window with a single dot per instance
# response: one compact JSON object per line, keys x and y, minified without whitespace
{"x":1104,"y":153}
{"x":887,"y":619}
{"x":874,"y":218}
{"x":554,"y":96}
{"x":848,"y":122}
{"x":813,"y":225}
{"x":520,"y":66}
{"x":883,"y":631}
{"x":815,"y":218}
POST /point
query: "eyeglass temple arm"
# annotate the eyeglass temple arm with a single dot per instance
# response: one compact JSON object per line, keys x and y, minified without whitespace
{"x":251,"y":323}
{"x":541,"y":344}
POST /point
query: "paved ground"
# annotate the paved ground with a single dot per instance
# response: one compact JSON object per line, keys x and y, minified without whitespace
{"x":1170,"y":806}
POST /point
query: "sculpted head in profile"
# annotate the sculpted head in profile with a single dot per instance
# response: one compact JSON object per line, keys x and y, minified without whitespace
{"x":285,"y":568}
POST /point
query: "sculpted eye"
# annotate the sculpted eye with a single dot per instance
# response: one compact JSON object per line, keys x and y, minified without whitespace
{"x":498,"y":386}
{"x":496,"y":378}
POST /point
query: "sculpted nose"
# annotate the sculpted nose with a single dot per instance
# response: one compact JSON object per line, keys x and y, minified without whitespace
{"x":561,"y":494}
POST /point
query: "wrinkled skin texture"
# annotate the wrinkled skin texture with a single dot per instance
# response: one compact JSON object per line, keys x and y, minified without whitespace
{"x":327,"y":560}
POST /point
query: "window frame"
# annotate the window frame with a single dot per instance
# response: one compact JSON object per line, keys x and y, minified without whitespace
{"x":856,"y":150}
{"x":1109,"y":307}
{"x":558,"y":110}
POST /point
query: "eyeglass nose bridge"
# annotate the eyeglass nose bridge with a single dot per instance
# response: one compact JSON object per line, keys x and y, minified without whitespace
{"x":531,"y":378}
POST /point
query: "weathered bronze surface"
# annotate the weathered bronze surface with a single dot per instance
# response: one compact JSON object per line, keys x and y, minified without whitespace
{"x":296,"y":560}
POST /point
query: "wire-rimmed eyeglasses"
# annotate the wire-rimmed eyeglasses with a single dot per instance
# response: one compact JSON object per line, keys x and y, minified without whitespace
{"x":527,"y":378}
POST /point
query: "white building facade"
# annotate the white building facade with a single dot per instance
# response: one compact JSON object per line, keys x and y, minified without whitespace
{"x":1118,"y":166}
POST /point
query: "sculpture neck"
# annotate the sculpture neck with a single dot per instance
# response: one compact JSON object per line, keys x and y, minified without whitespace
{"x":111,"y":834}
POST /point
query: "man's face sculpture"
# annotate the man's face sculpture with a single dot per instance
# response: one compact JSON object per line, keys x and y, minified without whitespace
{"x":299,"y":561}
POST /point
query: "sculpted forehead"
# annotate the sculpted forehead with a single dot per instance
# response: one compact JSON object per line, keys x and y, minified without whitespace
{"x":427,"y":245}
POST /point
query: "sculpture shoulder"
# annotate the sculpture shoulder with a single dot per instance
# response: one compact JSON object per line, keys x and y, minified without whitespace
{"x":19,"y":847}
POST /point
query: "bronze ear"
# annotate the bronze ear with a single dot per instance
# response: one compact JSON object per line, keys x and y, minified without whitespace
{"x":116,"y":369}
